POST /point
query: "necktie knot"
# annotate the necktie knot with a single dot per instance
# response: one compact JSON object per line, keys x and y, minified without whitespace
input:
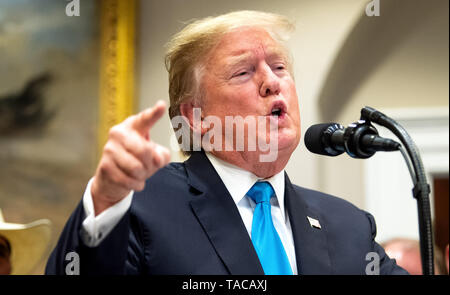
{"x":261,"y":192}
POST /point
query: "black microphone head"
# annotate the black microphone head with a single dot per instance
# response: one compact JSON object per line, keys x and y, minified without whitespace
{"x":317,"y":139}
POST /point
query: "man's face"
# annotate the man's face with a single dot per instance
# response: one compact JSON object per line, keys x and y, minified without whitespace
{"x":246,"y":74}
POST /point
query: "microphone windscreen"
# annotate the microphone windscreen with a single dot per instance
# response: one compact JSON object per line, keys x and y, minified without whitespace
{"x":314,"y":138}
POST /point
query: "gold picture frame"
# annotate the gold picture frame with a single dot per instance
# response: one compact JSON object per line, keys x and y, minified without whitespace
{"x":117,"y":64}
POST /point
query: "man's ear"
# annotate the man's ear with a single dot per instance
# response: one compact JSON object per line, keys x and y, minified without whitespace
{"x":193,"y":114}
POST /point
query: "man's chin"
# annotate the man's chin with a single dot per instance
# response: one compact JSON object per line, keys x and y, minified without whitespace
{"x":287,"y":141}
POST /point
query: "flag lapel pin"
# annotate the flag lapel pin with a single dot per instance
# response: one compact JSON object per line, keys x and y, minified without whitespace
{"x":314,"y":222}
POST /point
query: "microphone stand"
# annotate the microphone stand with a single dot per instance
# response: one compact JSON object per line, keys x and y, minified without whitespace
{"x":421,"y":188}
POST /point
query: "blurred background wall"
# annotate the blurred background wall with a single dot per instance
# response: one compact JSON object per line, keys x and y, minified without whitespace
{"x":396,"y":62}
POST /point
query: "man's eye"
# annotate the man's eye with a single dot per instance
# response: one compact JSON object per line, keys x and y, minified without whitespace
{"x":241,"y":74}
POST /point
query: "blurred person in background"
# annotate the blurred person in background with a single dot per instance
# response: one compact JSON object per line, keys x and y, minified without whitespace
{"x":446,"y":258}
{"x":407,"y":254}
{"x":5,"y":256}
{"x":22,"y":246}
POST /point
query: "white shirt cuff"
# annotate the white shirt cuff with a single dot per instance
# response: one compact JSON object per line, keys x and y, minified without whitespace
{"x":95,"y":228}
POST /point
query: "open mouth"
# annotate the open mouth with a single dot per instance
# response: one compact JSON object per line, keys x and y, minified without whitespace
{"x":276,"y":112}
{"x":278,"y":109}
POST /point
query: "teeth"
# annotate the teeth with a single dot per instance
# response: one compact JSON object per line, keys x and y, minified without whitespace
{"x":276,"y":112}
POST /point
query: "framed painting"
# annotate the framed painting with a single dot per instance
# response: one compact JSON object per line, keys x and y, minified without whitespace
{"x":65,"y":79}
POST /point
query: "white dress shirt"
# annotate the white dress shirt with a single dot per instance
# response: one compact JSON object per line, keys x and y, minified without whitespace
{"x":96,"y":228}
{"x":237,"y":181}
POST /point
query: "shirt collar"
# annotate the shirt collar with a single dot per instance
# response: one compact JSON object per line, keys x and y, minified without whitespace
{"x":239,"y":181}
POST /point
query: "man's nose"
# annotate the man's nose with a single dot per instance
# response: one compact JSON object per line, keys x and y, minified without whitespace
{"x":270,"y":84}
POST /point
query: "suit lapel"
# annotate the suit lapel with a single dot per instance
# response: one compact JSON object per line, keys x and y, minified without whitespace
{"x":220,"y":218}
{"x":311,"y":247}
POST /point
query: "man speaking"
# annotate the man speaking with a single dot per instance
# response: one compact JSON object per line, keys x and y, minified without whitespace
{"x":230,"y":208}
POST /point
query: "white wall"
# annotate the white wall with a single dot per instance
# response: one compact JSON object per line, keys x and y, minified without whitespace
{"x":388,"y":184}
{"x":400,"y":61}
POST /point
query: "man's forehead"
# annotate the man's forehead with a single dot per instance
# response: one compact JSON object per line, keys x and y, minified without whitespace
{"x":241,"y":56}
{"x":239,"y":52}
{"x":240,"y":40}
{"x":242,"y":44}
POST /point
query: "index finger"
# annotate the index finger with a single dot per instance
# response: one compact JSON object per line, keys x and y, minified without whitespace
{"x":147,"y":118}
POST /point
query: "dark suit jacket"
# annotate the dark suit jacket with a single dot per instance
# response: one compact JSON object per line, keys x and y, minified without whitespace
{"x":185,"y":222}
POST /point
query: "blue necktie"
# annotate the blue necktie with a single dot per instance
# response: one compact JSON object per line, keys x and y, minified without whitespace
{"x":265,"y":238}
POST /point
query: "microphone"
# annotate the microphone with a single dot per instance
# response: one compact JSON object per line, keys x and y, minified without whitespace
{"x":358,"y":140}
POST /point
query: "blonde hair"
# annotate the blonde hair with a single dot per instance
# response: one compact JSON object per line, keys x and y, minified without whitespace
{"x":187,"y":49}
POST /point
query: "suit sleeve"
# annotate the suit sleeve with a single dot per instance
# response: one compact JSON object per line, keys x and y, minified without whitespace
{"x":388,"y":266}
{"x":119,"y":253}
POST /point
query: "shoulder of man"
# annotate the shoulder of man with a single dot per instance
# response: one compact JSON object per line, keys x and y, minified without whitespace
{"x":319,"y":200}
{"x":166,"y":181}
{"x":350,"y":233}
